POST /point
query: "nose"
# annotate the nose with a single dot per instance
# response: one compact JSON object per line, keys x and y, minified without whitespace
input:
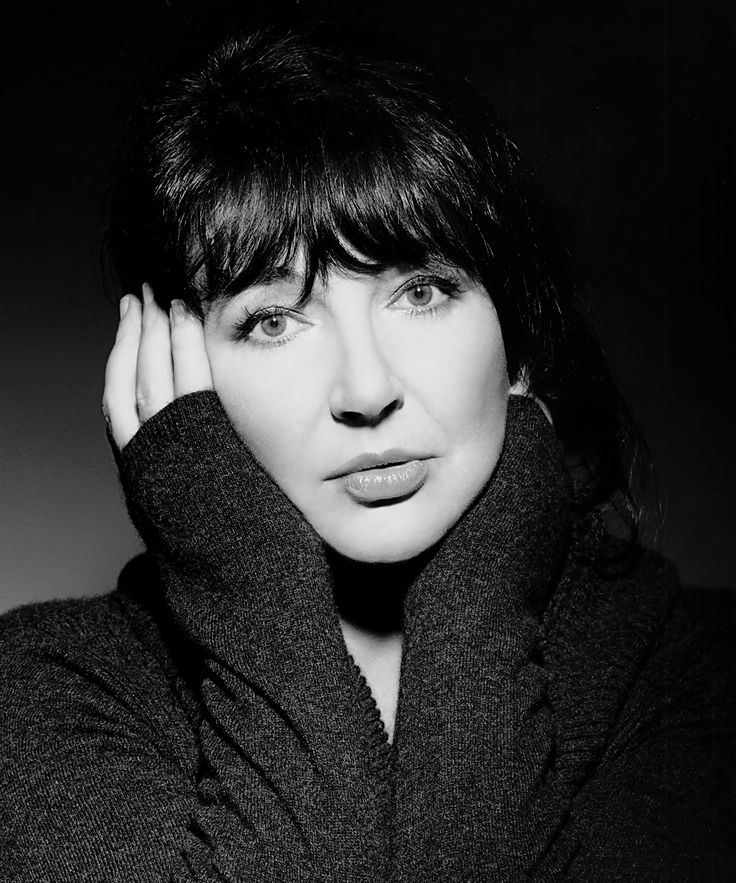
{"x":364,"y":392}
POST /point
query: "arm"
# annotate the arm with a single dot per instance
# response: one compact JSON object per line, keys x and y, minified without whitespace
{"x":284,"y":758}
{"x":96,"y":763}
{"x":281,"y":769}
{"x":662,"y":801}
{"x":474,"y":736}
{"x":579,"y":743}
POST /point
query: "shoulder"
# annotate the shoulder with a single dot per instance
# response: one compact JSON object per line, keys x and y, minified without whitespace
{"x":703,"y":620}
{"x":95,"y":627}
{"x":676,"y":643}
{"x":91,"y":630}
{"x":647,"y":683}
{"x":643,"y":620}
{"x":688,"y":677}
{"x":98,"y":753}
{"x":68,"y":662}
{"x":99,"y":630}
{"x":644,"y":666}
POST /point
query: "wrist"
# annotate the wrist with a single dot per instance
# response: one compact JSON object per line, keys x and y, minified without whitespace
{"x":195,"y":492}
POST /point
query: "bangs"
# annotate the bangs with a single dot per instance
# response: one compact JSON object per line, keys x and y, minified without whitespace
{"x":279,"y":147}
{"x":341,"y":182}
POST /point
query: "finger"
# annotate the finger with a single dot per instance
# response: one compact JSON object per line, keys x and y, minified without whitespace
{"x":191,"y":364}
{"x":118,"y":398}
{"x":155,"y":374}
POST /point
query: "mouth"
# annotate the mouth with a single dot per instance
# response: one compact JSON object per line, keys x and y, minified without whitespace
{"x":385,"y":477}
{"x":385,"y":484}
{"x":381,"y":460}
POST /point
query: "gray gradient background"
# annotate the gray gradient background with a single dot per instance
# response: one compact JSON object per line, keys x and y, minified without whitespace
{"x":624,"y":109}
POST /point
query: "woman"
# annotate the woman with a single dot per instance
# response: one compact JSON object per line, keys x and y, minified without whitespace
{"x":393,"y":621}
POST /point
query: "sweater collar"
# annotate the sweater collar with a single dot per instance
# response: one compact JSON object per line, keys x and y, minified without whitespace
{"x":502,"y":557}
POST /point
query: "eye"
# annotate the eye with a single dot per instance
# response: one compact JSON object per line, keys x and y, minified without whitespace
{"x":270,"y":326}
{"x":425,"y":295}
{"x":274,"y":325}
{"x":421,"y":294}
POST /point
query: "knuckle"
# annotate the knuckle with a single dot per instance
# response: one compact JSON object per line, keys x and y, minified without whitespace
{"x":125,"y":338}
{"x":180,"y":340}
{"x":145,"y":401}
{"x":184,"y":334}
{"x":129,"y":325}
{"x":114,"y":357}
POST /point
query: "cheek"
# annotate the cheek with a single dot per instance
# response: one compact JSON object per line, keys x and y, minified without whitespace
{"x":461,"y":377}
{"x":264,"y":405}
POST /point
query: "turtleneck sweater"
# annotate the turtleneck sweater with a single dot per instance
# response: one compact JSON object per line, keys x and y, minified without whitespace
{"x":205,"y":721}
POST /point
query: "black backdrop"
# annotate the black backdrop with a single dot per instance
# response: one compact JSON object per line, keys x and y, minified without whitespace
{"x":624,"y":109}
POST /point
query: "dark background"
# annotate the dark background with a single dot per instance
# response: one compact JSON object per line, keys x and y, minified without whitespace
{"x":626,"y":112}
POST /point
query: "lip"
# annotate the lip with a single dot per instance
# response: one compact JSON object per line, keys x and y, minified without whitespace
{"x":389,"y":457}
{"x":386,"y":484}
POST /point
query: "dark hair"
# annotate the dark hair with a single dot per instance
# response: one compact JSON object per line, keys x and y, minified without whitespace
{"x":279,"y":141}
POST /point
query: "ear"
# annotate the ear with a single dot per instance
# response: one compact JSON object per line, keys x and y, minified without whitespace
{"x":521,"y":388}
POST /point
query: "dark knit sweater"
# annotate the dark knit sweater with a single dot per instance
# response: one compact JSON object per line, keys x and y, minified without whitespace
{"x":205,"y":722}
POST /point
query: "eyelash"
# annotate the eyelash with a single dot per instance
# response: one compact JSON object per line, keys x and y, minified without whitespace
{"x":245,"y":326}
{"x":449,"y":285}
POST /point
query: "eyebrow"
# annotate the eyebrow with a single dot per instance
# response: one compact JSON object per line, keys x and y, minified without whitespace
{"x":286,"y":273}
{"x":271,"y":276}
{"x":279,"y":273}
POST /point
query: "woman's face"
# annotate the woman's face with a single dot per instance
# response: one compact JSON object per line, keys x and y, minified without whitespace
{"x":378,"y":407}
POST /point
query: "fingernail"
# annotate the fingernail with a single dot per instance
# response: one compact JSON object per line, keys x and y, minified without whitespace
{"x":124,"y":304}
{"x":178,"y":310}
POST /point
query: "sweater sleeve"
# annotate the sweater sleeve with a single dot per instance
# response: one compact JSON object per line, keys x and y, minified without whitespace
{"x":283,"y":759}
{"x":662,"y":801}
{"x":555,"y":723}
{"x":95,"y":766}
{"x":474,"y":734}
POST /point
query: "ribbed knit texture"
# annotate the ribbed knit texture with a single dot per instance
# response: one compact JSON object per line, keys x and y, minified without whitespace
{"x":205,"y":722}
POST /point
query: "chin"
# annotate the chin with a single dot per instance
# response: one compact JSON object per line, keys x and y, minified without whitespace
{"x":375,"y":549}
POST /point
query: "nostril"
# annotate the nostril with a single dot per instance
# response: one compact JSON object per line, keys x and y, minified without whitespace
{"x":394,"y":405}
{"x":367,"y":418}
{"x":352,"y":418}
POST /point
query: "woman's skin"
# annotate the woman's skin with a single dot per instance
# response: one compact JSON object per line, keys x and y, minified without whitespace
{"x":406,"y":359}
{"x":371,"y":363}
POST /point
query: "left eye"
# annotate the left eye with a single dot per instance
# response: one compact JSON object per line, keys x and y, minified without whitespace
{"x":418,"y":295}
{"x":274,"y":325}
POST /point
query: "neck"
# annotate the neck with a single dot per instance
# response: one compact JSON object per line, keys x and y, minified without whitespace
{"x":370,"y":602}
{"x":370,"y":597}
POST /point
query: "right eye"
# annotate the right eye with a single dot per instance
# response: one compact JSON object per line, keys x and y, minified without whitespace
{"x":271,"y":326}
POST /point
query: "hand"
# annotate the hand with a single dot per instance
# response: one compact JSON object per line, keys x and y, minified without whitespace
{"x":155,"y":359}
